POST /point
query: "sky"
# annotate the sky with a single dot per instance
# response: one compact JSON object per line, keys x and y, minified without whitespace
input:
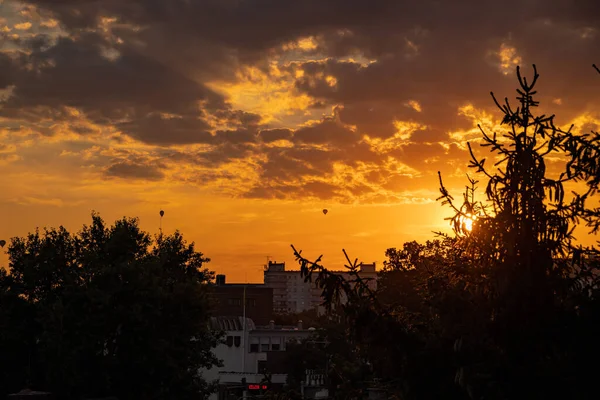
{"x":244,"y":119}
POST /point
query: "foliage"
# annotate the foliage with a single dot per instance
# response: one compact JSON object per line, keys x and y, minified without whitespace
{"x":309,"y":318}
{"x":533,"y":275}
{"x":504,"y":310}
{"x":107,"y":311}
{"x":386,"y":345}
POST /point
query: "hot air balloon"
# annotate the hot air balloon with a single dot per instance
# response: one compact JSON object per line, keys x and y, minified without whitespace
{"x":162,"y":213}
{"x":2,"y":243}
{"x":325,"y":211}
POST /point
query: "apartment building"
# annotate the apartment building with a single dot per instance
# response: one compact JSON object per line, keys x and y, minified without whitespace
{"x":291,"y":294}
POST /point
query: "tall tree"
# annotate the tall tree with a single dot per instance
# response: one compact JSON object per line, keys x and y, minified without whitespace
{"x":501,"y":308}
{"x":107,"y":311}
{"x":522,"y":244}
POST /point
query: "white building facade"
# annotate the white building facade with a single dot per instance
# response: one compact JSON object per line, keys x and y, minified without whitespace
{"x":244,"y":354}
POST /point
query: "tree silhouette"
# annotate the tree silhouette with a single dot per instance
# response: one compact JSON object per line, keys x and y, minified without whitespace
{"x":108,"y":311}
{"x":523,"y":246}
{"x":500,"y":309}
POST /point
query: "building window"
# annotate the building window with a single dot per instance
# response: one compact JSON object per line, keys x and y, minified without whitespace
{"x":234,"y":302}
{"x":229,"y":341}
{"x":262,"y":366}
{"x":237,"y":340}
{"x":264,"y":347}
{"x":254,"y":345}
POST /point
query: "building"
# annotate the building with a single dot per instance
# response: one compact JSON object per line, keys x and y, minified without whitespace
{"x":228,"y":300}
{"x":238,"y":365}
{"x":245,"y":353}
{"x":291,"y":294}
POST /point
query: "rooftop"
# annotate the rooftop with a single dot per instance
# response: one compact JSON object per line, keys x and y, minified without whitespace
{"x":231,"y":324}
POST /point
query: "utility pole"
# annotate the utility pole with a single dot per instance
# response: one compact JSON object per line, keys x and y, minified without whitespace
{"x":244,"y":332}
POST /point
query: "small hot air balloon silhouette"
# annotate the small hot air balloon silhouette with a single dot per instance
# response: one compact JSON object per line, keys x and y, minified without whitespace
{"x":161,"y":217}
{"x":2,"y":243}
{"x":325,"y":211}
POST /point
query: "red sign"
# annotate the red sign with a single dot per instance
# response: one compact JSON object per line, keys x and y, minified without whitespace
{"x":255,"y":386}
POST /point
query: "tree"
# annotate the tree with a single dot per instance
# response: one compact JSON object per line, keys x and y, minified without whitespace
{"x":327,"y":352}
{"x":386,"y":343}
{"x":522,"y":244}
{"x":309,"y":318}
{"x":107,"y":311}
{"x":501,"y":309}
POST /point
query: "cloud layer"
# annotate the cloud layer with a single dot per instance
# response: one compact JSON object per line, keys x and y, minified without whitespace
{"x":348,"y":101}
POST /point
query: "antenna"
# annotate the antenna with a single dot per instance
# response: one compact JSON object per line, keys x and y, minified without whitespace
{"x":266,"y":266}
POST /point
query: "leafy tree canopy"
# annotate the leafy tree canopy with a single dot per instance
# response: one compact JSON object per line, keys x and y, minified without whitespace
{"x":109,"y":311}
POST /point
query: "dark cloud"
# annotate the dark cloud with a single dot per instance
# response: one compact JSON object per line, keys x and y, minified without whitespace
{"x":237,"y":136}
{"x":159,"y":130}
{"x":375,"y":119}
{"x":74,"y":73}
{"x":321,"y":190}
{"x":448,"y":66}
{"x":134,"y":170}
{"x":148,"y":100}
{"x":241,"y":118}
{"x":272,"y":135}
{"x":204,"y":177}
{"x":227,"y":22}
{"x":281,"y":167}
{"x":326,"y":131}
{"x":316,"y":189}
{"x":375,"y":95}
{"x":230,"y":22}
{"x":225,"y":153}
{"x":6,"y":71}
{"x":302,"y":168}
{"x":414,"y":61}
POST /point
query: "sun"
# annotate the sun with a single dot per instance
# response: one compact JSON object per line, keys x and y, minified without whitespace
{"x":466,"y":222}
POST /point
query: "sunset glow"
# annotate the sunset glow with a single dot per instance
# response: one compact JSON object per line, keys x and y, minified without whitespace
{"x":243,"y":120}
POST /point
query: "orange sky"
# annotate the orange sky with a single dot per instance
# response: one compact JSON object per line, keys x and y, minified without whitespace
{"x":243,"y":120}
